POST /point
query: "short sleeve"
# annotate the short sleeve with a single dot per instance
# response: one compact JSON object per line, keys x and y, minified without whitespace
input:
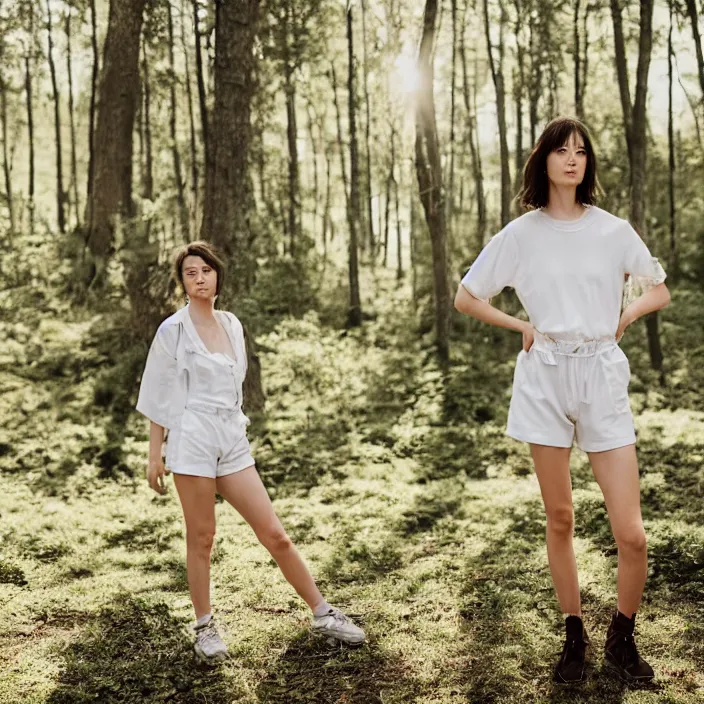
{"x":643,"y":269}
{"x":157,"y":388}
{"x":494,"y":268}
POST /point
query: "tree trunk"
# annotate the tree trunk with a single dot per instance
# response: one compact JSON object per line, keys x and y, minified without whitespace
{"x":340,"y":141}
{"x":292,"y":141}
{"x":536,"y":77}
{"x":694,"y":22}
{"x":387,"y":207}
{"x":412,"y":245}
{"x":92,"y":114}
{"x":674,"y":260}
{"x":201,"y":82}
{"x":634,"y":118}
{"x":354,"y":316}
{"x":578,"y":104}
{"x":371,"y":237}
{"x":229,"y":204}
{"x":399,"y":258}
{"x":193,"y":220}
{"x":148,"y":173}
{"x":498,"y":78}
{"x":328,"y":203}
{"x":111,"y":195}
{"x":72,"y":122}
{"x":450,"y":195}
{"x":470,"y":96}
{"x":176,"y":156}
{"x":429,"y":173}
{"x":30,"y":117}
{"x":314,"y":159}
{"x":60,"y":199}
{"x":518,"y":97}
{"x":6,"y":165}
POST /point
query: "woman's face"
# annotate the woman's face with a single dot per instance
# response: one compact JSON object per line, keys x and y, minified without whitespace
{"x":199,"y":279}
{"x":566,"y":164}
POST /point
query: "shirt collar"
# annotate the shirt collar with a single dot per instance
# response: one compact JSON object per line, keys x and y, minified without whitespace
{"x":184,"y":316}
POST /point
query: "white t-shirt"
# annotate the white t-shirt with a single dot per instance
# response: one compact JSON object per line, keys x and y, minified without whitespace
{"x":568,"y":274}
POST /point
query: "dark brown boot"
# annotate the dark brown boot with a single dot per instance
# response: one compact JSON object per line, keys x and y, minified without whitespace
{"x":621,"y":654}
{"x":571,"y":666}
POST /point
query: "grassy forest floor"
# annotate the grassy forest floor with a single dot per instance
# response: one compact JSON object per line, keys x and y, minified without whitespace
{"x":417,"y":515}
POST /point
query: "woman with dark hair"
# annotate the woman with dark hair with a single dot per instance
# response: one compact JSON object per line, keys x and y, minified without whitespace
{"x":191,"y":391}
{"x":567,"y":260}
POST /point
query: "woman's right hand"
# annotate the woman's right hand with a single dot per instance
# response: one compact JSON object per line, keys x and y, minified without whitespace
{"x":156,"y":471}
{"x":528,"y":333}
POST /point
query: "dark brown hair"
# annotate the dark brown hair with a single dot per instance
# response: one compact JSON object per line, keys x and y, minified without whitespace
{"x":207,"y":253}
{"x":536,"y":187}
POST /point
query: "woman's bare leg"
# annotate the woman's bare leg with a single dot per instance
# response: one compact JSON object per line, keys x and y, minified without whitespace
{"x":244,"y":490}
{"x":552,"y":467}
{"x":616,"y":471}
{"x":197,"y":495}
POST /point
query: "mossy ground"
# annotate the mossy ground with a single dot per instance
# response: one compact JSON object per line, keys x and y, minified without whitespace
{"x":416,"y":514}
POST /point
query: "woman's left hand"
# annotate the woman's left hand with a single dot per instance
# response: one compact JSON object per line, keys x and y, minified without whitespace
{"x":623,"y":323}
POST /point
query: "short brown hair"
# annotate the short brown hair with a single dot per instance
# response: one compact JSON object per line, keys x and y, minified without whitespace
{"x":536,"y":189}
{"x":207,"y":253}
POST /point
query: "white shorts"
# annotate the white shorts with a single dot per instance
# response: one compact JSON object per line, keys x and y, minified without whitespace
{"x":566,"y":389}
{"x":208,"y":444}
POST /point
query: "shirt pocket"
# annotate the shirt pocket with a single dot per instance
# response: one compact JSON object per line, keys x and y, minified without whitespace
{"x":617,"y":375}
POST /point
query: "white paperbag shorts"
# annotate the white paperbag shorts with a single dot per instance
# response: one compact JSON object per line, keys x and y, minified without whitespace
{"x":567,"y":390}
{"x":208,"y":443}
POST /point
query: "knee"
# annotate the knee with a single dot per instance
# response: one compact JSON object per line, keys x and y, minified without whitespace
{"x":275,"y":539}
{"x":632,"y":540}
{"x":561,"y":520}
{"x":201,"y":540}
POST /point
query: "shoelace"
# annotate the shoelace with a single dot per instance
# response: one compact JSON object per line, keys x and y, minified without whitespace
{"x":209,"y":633}
{"x":338,"y":617}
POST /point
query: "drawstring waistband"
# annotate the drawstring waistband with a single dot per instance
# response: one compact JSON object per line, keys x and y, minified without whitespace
{"x":547,"y":347}
{"x":209,"y":408}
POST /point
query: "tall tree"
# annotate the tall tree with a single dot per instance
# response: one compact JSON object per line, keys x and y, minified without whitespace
{"x":635,"y":126}
{"x":470,"y":96}
{"x":450,"y":196}
{"x":354,"y":316}
{"x":694,"y":22}
{"x":29,"y":97}
{"x":201,"y":79}
{"x":578,"y":94}
{"x":111,"y":195}
{"x":146,"y":115}
{"x":60,"y":196}
{"x":674,"y":259}
{"x":6,"y":157}
{"x":369,"y":191}
{"x":194,"y":205}
{"x":497,"y":74}
{"x":429,"y":174}
{"x":71,"y":117}
{"x":175,"y":153}
{"x":95,"y":69}
{"x":229,"y":203}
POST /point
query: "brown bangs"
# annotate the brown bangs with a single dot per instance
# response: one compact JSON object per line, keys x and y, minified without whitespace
{"x":206,"y":252}
{"x":535,"y":190}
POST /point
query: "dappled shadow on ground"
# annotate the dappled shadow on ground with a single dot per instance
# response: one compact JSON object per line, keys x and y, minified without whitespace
{"x":132,"y":651}
{"x":512,"y":629}
{"x":311,"y":671}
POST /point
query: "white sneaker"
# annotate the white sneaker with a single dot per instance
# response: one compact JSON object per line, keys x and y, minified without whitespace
{"x":209,"y":645}
{"x":335,"y":624}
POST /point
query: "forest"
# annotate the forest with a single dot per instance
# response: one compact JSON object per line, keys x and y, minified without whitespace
{"x":349,"y":159}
